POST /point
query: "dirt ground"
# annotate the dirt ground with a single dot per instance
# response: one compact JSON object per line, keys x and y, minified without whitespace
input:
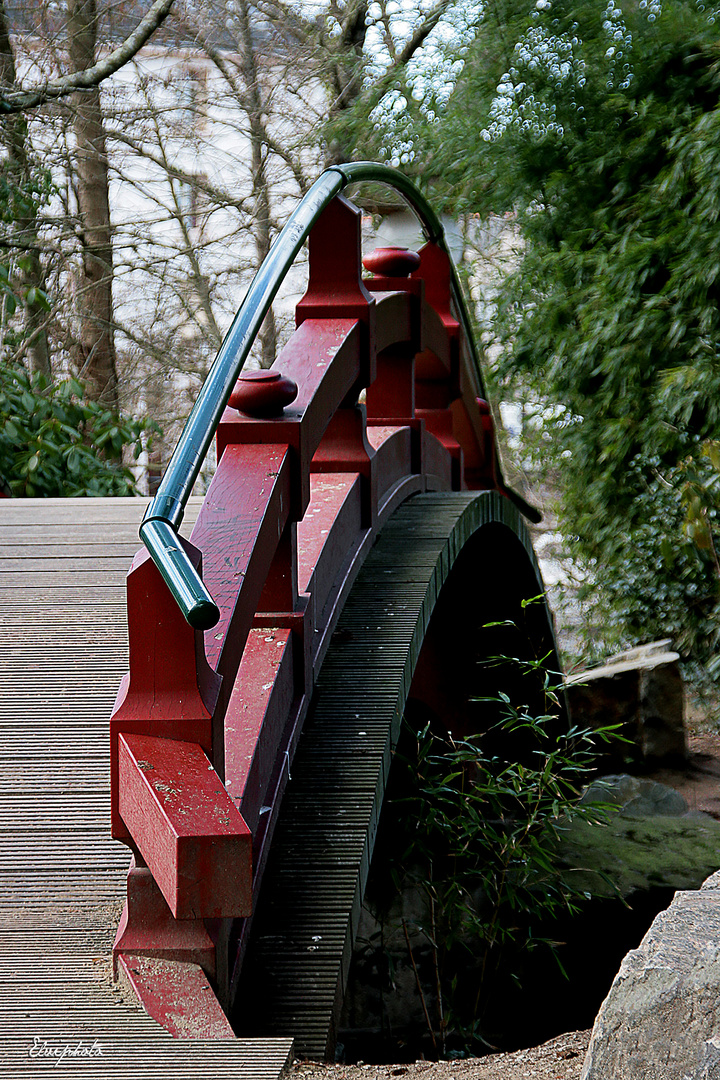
{"x":561,"y":1058}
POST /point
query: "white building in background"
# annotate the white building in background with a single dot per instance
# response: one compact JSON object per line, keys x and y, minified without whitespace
{"x":186,"y":206}
{"x":184,"y":210}
{"x":187,"y":212}
{"x":188,"y":216}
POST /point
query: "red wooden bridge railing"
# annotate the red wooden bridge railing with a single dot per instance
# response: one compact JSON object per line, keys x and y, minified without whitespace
{"x":206,"y":721}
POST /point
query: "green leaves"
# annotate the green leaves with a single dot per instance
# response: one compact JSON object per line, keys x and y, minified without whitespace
{"x":478,"y":837}
{"x":23,"y":190}
{"x":613,"y":315}
{"x":54,"y":442}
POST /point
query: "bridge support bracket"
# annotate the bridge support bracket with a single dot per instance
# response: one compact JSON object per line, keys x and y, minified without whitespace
{"x":148,"y":928}
{"x":186,"y":826}
{"x":178,"y":995}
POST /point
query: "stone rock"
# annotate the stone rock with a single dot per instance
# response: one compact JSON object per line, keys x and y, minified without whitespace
{"x":653,"y":842}
{"x":642,"y":691}
{"x":661,"y":1018}
{"x":636,"y":797}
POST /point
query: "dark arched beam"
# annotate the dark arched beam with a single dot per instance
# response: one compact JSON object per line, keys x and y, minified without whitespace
{"x":444,"y":565}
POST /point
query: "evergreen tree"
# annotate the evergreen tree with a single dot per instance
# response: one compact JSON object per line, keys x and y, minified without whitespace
{"x":599,"y":127}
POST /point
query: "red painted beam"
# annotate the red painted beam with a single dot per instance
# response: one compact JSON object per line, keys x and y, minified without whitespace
{"x":345,"y":448}
{"x":398,"y":448}
{"x":170,"y":678}
{"x":245,"y":512}
{"x":335,"y":286}
{"x":170,"y":691}
{"x":186,"y":826}
{"x":256,"y":719}
{"x":177,"y":995}
{"x":440,"y":428}
{"x":435,"y":270}
{"x":147,"y":927}
{"x":330,"y":530}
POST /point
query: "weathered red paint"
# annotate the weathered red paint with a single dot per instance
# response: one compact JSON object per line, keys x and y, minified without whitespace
{"x":394,"y":448}
{"x":400,"y":319}
{"x":178,"y":995}
{"x":262,"y":393}
{"x":298,"y":622}
{"x":187,"y":828}
{"x":335,"y":285}
{"x":245,"y":512}
{"x":255,"y":720}
{"x":148,"y":927}
{"x":170,"y":691}
{"x":280,"y":591}
{"x":169,"y":678}
{"x":435,"y":270}
{"x":393,"y":392}
{"x":323,"y":358}
{"x":301,"y":488}
{"x":327,"y":533}
{"x":345,"y":448}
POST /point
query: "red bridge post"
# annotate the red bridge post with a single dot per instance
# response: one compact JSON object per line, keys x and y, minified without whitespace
{"x":205,"y":726}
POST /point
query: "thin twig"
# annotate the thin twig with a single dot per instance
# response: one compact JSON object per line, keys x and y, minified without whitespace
{"x":438,"y":985}
{"x":419,"y":986}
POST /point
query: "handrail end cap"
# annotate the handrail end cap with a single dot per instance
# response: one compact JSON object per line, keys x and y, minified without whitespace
{"x":203,"y":615}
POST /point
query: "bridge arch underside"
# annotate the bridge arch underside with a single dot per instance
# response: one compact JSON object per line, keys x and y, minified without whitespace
{"x":412,"y":635}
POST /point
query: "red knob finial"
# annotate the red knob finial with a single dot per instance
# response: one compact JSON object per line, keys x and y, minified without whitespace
{"x":262,"y":393}
{"x":392,"y":262}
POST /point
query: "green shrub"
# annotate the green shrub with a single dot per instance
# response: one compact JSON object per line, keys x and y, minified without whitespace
{"x":55,"y":442}
{"x":479,"y":841}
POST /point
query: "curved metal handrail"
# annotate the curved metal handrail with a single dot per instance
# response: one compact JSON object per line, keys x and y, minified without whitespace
{"x":165,"y":513}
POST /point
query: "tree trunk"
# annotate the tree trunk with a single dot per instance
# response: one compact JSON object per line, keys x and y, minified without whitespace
{"x":25,"y":233}
{"x":95,"y":342}
{"x":254,"y":109}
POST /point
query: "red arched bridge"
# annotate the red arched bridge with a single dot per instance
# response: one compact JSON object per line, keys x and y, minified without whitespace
{"x":355,"y":540}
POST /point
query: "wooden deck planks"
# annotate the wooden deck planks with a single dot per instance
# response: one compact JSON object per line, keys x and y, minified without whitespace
{"x":62,"y":880}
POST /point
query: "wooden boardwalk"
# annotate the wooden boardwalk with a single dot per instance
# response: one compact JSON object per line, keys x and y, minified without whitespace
{"x":63,"y":651}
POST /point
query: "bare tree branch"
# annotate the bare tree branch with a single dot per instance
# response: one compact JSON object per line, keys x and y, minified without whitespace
{"x":225,"y":69}
{"x":401,"y":59}
{"x":384,"y":21}
{"x":13,"y":101}
{"x":254,"y":105}
{"x":218,"y":196}
{"x":289,"y":20}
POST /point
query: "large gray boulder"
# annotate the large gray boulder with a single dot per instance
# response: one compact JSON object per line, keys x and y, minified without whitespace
{"x":661,"y":1018}
{"x":640,"y":689}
